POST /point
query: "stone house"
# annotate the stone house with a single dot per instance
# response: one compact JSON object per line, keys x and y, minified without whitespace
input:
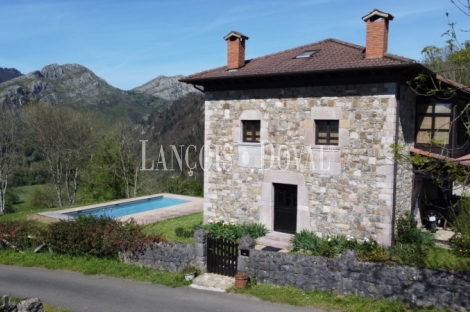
{"x":301,"y":139}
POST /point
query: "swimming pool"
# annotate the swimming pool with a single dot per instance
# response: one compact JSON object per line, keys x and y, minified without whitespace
{"x":124,"y":209}
{"x":143,"y":210}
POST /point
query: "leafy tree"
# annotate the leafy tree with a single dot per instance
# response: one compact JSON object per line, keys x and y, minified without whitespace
{"x":103,"y":181}
{"x":65,"y":138}
{"x":114,"y":171}
{"x":450,"y":66}
{"x":9,"y":152}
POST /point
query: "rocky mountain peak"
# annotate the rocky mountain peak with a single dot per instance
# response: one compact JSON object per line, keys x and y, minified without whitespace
{"x":165,"y":87}
{"x":77,"y":86}
{"x":55,"y":71}
{"x":8,"y":74}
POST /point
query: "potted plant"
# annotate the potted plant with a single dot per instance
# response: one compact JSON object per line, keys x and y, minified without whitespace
{"x":241,"y":279}
{"x":190,"y":272}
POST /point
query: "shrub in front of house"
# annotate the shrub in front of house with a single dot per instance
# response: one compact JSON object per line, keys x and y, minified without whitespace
{"x":182,"y":232}
{"x":232,"y":231}
{"x":310,"y":243}
{"x":461,"y":225}
{"x":18,"y":234}
{"x":103,"y":237}
{"x":411,"y":243}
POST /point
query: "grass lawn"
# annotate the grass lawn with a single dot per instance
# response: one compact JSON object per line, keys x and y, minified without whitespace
{"x":24,"y":192}
{"x":91,"y":266}
{"x":22,"y":209}
{"x":323,"y":300}
{"x":167,"y":227}
{"x":440,"y":258}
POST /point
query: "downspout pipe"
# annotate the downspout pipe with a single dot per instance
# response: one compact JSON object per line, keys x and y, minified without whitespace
{"x":395,"y":163}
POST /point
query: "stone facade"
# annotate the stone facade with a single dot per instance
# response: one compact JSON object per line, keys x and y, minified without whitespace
{"x":348,"y":275}
{"x":346,"y":189}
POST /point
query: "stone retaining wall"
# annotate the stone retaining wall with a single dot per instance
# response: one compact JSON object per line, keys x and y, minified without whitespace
{"x":171,"y":256}
{"x":348,"y":275}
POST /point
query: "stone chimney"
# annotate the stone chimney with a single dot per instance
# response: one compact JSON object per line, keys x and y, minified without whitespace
{"x":377,"y":33}
{"x":235,"y":49}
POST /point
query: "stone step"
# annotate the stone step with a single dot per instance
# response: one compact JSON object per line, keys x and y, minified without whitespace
{"x":213,"y":282}
{"x":277,"y":240}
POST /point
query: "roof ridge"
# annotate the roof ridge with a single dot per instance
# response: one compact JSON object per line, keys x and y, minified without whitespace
{"x":399,"y":58}
{"x":348,"y":44}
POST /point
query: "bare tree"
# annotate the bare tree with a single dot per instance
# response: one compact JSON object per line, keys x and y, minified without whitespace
{"x":9,"y":151}
{"x":65,"y":138}
{"x":128,"y":147}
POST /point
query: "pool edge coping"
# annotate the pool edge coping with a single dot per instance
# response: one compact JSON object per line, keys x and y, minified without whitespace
{"x":193,"y":204}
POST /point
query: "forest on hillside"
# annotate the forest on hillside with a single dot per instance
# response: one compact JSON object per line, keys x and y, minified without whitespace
{"x":83,"y":158}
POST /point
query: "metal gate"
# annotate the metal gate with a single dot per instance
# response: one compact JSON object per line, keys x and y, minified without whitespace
{"x":222,"y":256}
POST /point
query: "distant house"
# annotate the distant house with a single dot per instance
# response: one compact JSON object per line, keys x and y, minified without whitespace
{"x":337,"y":108}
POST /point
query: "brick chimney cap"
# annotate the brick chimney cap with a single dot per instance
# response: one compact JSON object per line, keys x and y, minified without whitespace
{"x":235,"y":34}
{"x":375,"y":14}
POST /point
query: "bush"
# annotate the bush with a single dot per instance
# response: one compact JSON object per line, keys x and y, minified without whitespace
{"x":371,"y":251}
{"x":11,"y":198}
{"x":42,"y":198}
{"x":233,"y":232}
{"x":14,"y":234}
{"x":460,"y":243}
{"x":103,"y":237}
{"x":182,"y":232}
{"x":411,"y":244}
{"x":307,"y":240}
{"x":332,"y":246}
{"x":189,"y":186}
{"x":408,"y":233}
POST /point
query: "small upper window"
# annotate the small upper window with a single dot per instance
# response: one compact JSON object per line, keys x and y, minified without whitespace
{"x":327,"y":132}
{"x":433,"y":122}
{"x":308,"y":53}
{"x":251,"y":131}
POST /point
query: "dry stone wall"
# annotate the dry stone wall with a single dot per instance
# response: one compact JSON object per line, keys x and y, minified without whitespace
{"x":348,"y":275}
{"x":171,"y":256}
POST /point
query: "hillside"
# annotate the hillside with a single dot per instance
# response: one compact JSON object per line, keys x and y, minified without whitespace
{"x":8,"y":74}
{"x":168,"y":88}
{"x":77,"y":86}
{"x":181,"y":122}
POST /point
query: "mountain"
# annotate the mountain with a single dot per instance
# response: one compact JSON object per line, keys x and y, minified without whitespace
{"x":77,"y":86}
{"x":8,"y":74}
{"x":181,"y":122}
{"x":168,"y":88}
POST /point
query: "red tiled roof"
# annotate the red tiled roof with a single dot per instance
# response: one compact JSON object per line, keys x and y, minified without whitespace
{"x":333,"y":55}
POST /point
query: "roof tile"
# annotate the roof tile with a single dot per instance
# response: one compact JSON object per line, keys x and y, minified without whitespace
{"x":333,"y":55}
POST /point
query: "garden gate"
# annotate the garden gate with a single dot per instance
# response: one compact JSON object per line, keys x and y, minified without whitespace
{"x":222,"y":256}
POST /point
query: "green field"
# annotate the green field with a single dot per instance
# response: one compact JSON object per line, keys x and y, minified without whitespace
{"x":167,"y":227}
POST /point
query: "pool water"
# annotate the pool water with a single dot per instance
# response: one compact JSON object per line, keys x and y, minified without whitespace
{"x":124,"y":209}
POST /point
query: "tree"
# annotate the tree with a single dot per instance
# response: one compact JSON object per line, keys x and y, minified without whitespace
{"x":449,"y":75}
{"x":64,"y":138}
{"x":9,"y":151}
{"x":114,"y":171}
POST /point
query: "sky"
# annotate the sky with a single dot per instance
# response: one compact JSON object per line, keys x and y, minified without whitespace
{"x":130,"y":42}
